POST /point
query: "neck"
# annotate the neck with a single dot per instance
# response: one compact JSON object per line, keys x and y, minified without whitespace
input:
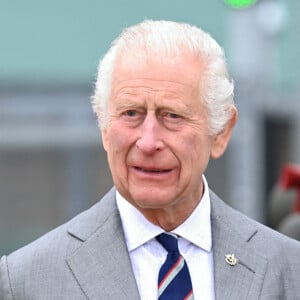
{"x":170,"y":218}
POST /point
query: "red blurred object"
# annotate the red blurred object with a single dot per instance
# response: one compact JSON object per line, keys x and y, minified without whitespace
{"x":290,"y":178}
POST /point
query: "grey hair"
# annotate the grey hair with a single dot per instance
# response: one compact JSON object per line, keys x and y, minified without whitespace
{"x":160,"y":38}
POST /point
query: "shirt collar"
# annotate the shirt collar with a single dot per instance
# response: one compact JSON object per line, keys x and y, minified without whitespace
{"x":138,"y":230}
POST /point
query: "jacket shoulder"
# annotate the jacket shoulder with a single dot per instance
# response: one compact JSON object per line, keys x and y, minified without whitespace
{"x":42,"y":263}
{"x":248,"y":228}
{"x":259,"y":246}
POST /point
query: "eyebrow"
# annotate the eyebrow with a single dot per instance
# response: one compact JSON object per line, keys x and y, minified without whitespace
{"x":121,"y":105}
{"x":132,"y":104}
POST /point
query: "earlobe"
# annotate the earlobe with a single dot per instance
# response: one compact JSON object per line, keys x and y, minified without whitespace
{"x":221,"y":140}
{"x":104,"y":138}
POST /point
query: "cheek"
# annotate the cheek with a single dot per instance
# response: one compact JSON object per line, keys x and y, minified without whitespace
{"x":116,"y":153}
{"x":117,"y":142}
{"x":197,"y":150}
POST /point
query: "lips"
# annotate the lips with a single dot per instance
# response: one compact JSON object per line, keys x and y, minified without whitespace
{"x":152,"y":170}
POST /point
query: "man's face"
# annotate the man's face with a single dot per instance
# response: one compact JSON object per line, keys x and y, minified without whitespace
{"x":157,"y":137}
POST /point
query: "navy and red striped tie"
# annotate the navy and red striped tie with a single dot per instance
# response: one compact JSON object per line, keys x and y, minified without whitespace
{"x":174,"y":281}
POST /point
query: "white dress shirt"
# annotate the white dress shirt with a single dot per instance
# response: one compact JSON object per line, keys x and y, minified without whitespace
{"x":147,"y":255}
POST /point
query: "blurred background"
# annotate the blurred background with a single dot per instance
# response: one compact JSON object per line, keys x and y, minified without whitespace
{"x":52,"y":164}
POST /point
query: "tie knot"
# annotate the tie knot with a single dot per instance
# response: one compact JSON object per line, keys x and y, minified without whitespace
{"x":168,"y":241}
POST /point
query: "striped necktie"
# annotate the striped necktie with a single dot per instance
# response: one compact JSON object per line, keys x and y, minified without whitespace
{"x":174,"y":281}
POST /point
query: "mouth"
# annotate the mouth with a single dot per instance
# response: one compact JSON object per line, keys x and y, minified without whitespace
{"x":152,"y":170}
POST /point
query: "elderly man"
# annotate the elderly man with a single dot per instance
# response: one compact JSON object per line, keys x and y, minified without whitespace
{"x":165,"y":106}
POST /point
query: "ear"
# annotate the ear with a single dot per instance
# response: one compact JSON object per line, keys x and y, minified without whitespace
{"x":104,"y":138}
{"x":221,"y":140}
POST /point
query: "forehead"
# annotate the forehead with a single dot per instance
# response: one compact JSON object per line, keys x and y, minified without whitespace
{"x":182,"y":69}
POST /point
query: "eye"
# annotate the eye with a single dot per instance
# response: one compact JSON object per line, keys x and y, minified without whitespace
{"x":173,"y":116}
{"x":172,"y":120}
{"x":132,"y":117}
{"x":131,"y":113}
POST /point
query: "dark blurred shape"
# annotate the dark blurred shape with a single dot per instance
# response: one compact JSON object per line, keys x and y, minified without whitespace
{"x":285,"y":202}
{"x":281,"y":204}
{"x":290,"y":178}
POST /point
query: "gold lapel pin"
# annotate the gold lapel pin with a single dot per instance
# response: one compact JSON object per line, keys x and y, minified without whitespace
{"x":231,"y":259}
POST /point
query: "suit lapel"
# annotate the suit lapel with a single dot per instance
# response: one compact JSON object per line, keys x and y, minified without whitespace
{"x":231,"y":236}
{"x":101,"y":265}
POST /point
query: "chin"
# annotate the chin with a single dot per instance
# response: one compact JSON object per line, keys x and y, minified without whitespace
{"x":151,"y":200}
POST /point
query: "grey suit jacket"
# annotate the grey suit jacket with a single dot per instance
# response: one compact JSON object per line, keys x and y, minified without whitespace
{"x":87,"y":258}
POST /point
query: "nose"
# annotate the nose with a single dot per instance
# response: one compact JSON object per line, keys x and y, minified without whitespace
{"x":149,"y":140}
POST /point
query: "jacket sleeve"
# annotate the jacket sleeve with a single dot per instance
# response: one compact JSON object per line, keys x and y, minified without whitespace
{"x":5,"y":287}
